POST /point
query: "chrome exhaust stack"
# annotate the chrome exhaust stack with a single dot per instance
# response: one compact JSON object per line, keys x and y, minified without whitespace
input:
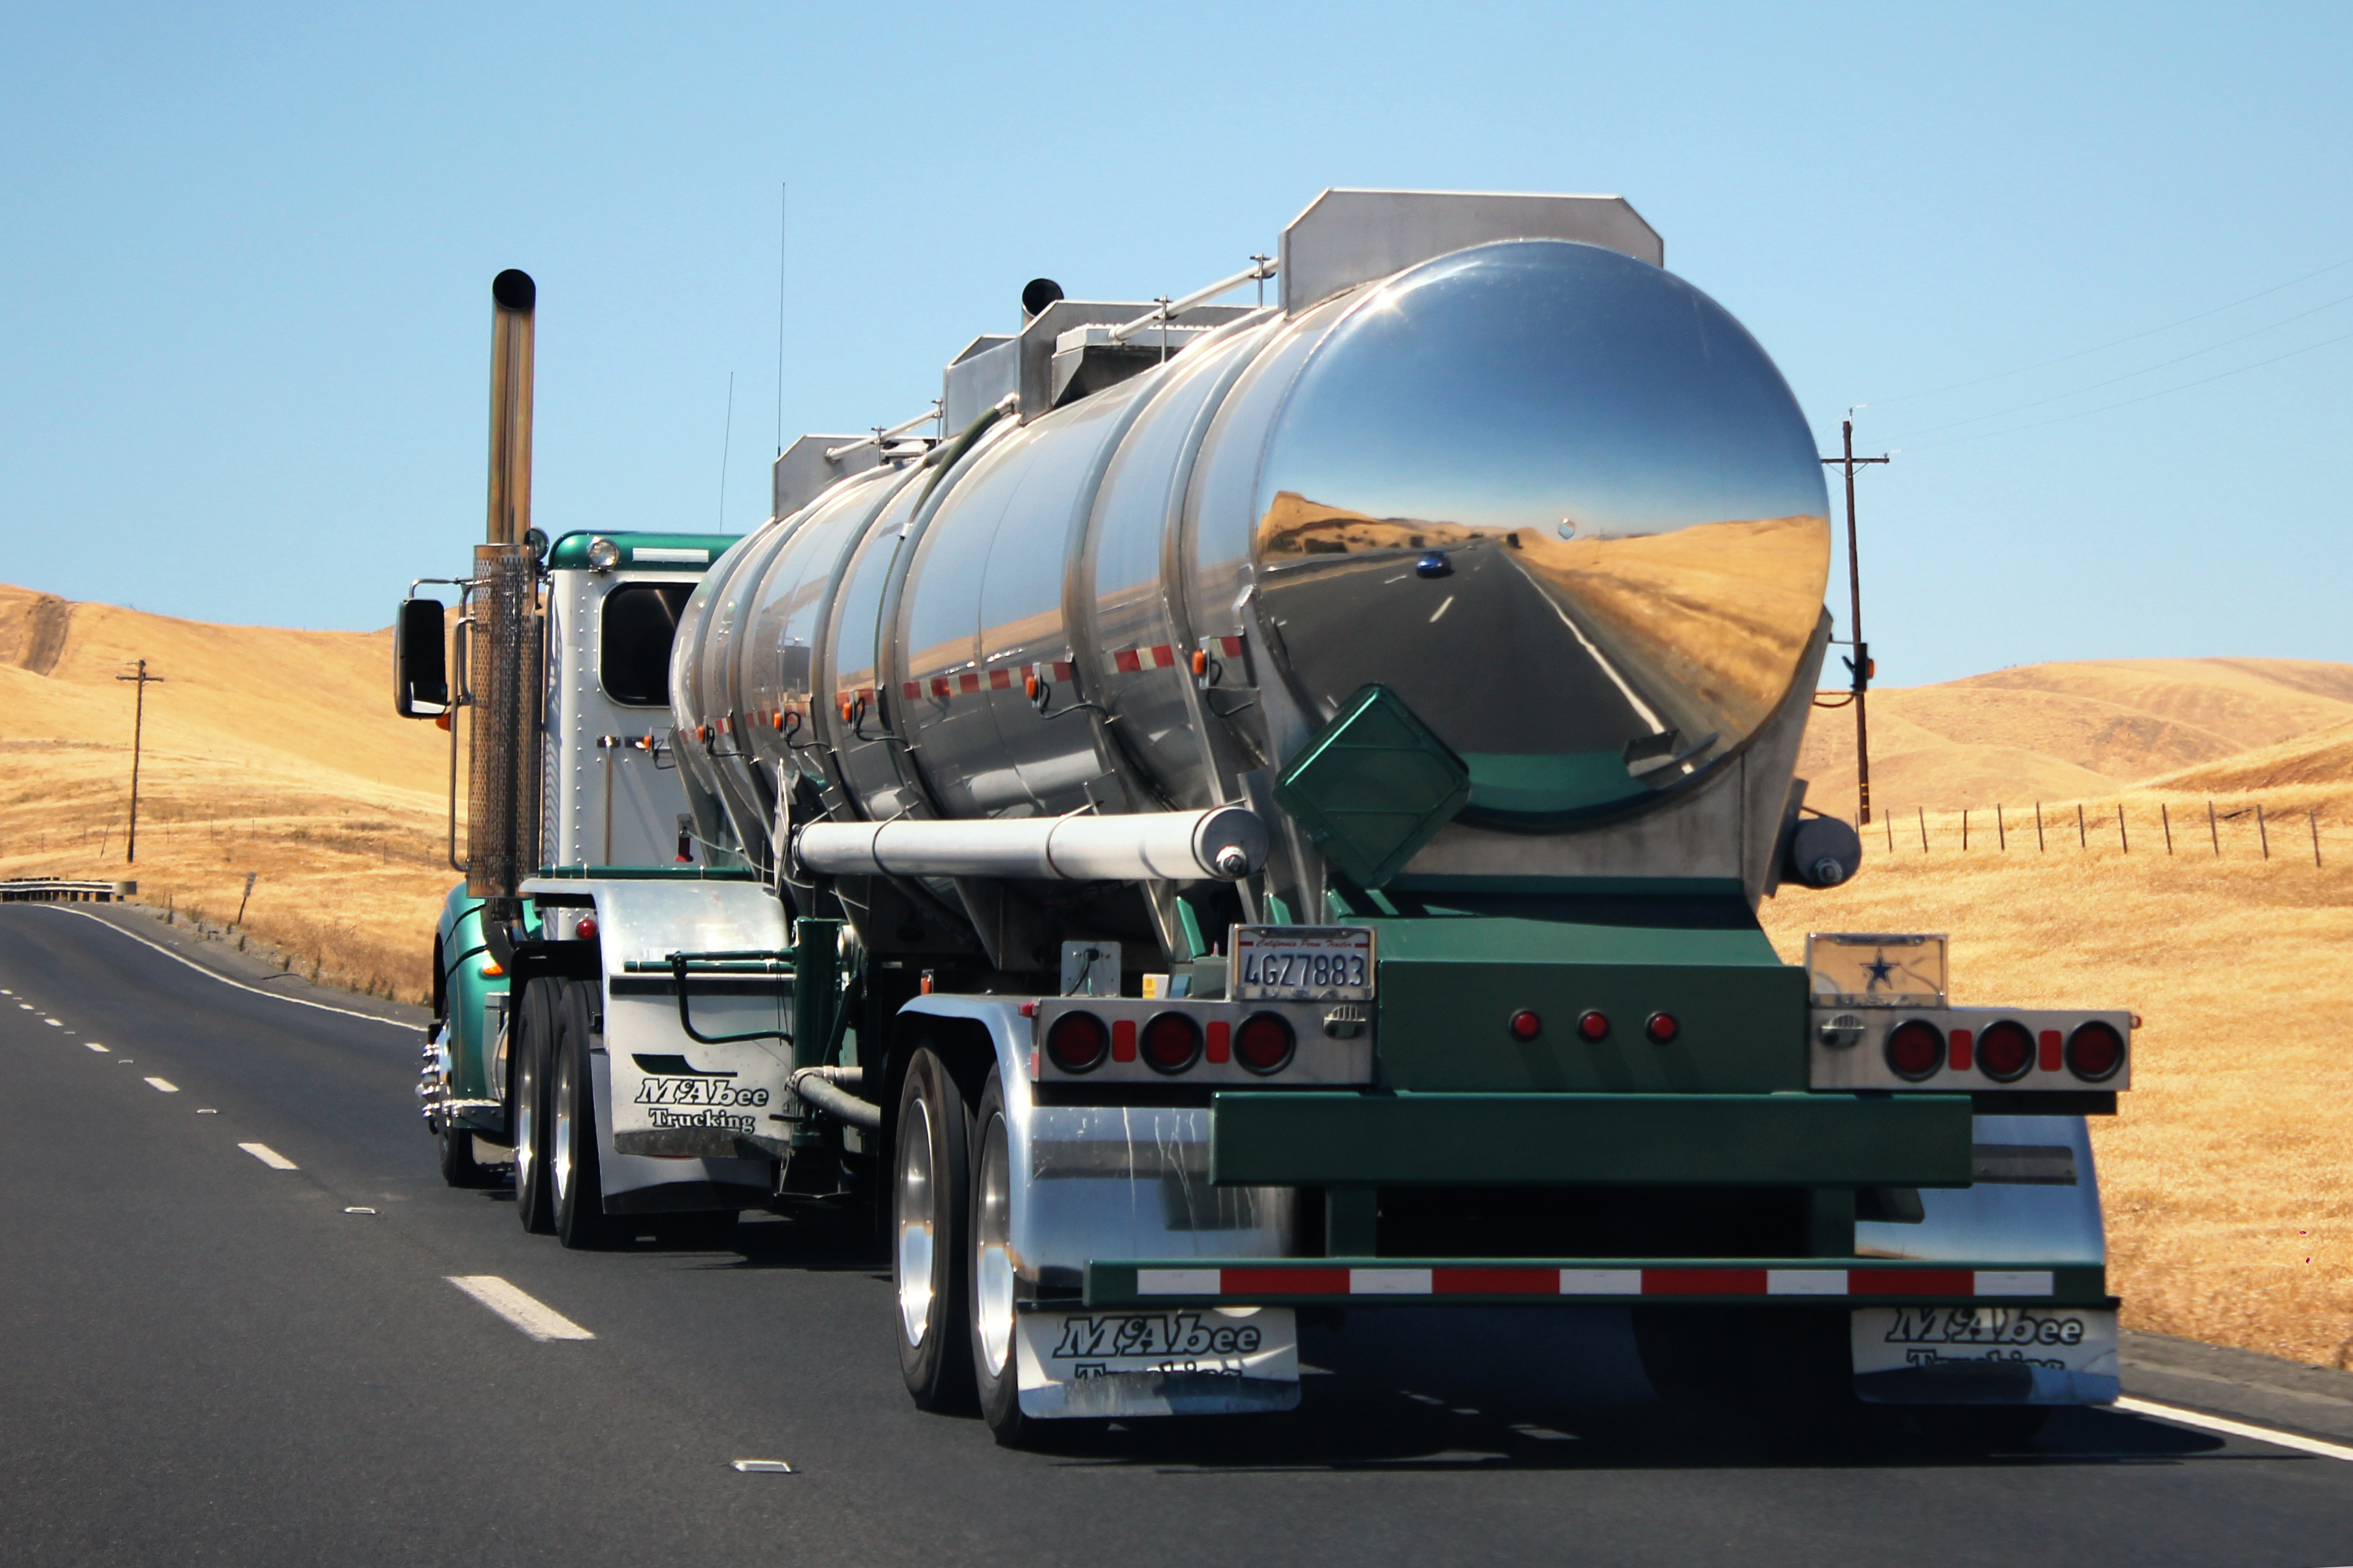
{"x":502,"y":817}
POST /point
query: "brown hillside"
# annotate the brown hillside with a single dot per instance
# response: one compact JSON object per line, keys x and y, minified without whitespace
{"x":2054,"y":731}
{"x":267,"y":750}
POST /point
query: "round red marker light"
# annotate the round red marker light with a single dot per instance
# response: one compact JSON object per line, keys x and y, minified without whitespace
{"x":1172,"y":1042}
{"x":1593,"y":1023}
{"x":586,"y":930}
{"x":1264,"y":1043}
{"x":1077,"y":1042}
{"x":2094,"y":1051}
{"x":1915,"y":1049}
{"x":1662,"y":1027}
{"x":2005,"y":1051}
{"x":1525,"y":1026}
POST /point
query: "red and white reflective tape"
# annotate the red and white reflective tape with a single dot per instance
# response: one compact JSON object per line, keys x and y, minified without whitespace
{"x":1315,"y":1280}
{"x":969,"y":682}
{"x":1128,"y":660}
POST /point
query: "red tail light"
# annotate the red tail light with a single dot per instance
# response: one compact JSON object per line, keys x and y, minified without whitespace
{"x":2094,"y":1051}
{"x":1662,"y":1027}
{"x":586,"y":930}
{"x":1915,"y":1049}
{"x":1525,"y":1026}
{"x":1593,"y":1025}
{"x":1172,"y":1042}
{"x":1264,"y":1043}
{"x":2005,"y":1051}
{"x":1077,"y":1042}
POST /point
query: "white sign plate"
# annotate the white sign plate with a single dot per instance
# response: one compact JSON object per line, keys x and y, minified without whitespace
{"x":1301,"y":964}
{"x":2061,"y":1338}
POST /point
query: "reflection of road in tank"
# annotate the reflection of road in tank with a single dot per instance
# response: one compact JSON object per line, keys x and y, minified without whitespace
{"x":1485,"y":655}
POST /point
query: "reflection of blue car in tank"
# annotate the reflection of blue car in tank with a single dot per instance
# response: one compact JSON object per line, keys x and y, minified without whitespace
{"x":1434,"y":564}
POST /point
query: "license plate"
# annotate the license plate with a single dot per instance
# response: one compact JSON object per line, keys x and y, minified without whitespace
{"x":1301,"y":964}
{"x":2080,"y":1339}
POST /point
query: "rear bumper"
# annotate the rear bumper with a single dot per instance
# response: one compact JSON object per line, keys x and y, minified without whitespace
{"x":1587,"y":1283}
{"x":1356,"y":1139}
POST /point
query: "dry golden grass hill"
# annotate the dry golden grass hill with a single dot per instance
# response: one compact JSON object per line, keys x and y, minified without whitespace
{"x":2230,"y":1202}
{"x":265,"y":750}
{"x":2055,"y":731}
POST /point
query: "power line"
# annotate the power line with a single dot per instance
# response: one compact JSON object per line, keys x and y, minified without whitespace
{"x":2113,"y":342}
{"x":2144,"y":369}
{"x":2128,"y":403}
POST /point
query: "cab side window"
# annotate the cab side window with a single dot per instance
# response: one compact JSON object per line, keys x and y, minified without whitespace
{"x":633,"y":649}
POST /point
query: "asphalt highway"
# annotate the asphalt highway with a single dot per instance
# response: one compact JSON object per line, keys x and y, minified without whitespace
{"x":210,"y":1358}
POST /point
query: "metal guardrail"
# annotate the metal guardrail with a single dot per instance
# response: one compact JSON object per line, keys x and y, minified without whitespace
{"x":61,"y":891}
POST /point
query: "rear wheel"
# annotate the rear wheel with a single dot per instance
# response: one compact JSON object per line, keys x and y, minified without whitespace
{"x":995,"y":1372}
{"x":575,"y":1179}
{"x":533,"y":1023}
{"x":929,"y":1228}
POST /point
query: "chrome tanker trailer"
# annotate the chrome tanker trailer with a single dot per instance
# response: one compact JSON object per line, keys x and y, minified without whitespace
{"x":1262,"y":807}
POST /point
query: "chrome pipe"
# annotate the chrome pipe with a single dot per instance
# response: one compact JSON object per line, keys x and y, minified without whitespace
{"x":1222,"y":844}
{"x":1171,"y":309}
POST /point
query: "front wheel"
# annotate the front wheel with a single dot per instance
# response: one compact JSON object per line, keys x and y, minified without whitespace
{"x":533,"y":1023}
{"x":995,"y":1372}
{"x":929,"y":1222}
{"x":575,"y":1177}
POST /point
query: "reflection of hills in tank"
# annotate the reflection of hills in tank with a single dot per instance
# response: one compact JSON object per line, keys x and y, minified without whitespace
{"x":1296,"y":526}
{"x":1721,"y":611}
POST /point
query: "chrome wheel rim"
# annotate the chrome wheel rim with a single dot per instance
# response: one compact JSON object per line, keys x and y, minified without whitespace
{"x":559,"y":1158}
{"x":992,"y":1294}
{"x":523,"y":1129}
{"x":914,"y":1251}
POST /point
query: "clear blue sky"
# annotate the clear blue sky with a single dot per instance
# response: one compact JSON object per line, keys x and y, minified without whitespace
{"x":245,"y":257}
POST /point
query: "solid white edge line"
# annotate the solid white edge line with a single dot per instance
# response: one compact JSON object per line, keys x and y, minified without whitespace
{"x":533,"y":1316}
{"x":269,"y":1157}
{"x":214,"y":974}
{"x":2272,"y":1436}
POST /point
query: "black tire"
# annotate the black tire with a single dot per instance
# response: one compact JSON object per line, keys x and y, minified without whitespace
{"x":930,"y":1220}
{"x":576,"y":1176}
{"x":533,"y":1025}
{"x":458,"y":1166}
{"x":989,"y":1284}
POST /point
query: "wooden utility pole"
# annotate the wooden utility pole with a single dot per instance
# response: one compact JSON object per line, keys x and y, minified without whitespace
{"x":1860,"y":664}
{"x":138,"y":728}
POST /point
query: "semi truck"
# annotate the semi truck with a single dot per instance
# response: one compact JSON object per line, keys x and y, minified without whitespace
{"x":1245,"y":813}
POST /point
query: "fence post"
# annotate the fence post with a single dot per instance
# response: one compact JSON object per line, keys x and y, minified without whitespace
{"x":2312,"y":815}
{"x":1923,"y":828}
{"x":1965,"y":828}
{"x":2166,"y":817}
{"x":2213,"y":831}
{"x":2122,"y":835}
{"x":2081,"y":841}
{"x":2000,"y":828}
{"x":1887,"y":819}
{"x":2261,"y":832}
{"x":2038,"y":845}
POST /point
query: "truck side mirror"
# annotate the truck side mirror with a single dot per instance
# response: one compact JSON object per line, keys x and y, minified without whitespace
{"x":420,"y":669}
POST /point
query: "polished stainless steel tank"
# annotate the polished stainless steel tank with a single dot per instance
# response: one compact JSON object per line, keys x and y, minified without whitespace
{"x":1550,"y":495}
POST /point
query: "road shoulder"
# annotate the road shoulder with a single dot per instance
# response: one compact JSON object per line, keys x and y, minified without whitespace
{"x":2314,"y":1400}
{"x":217,"y":954}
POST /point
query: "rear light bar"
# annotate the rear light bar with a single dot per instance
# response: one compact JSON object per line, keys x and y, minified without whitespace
{"x":1181,"y":1040}
{"x":1955,"y":1050}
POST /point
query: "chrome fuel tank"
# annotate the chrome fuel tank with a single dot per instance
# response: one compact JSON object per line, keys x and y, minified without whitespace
{"x":1550,"y":495}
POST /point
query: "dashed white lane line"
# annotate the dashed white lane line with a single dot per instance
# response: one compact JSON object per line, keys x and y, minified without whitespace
{"x":268,"y":1156}
{"x":163,"y":1086}
{"x":1441,"y":609}
{"x":2198,"y":1418}
{"x":94,"y":1045}
{"x":534,"y":1317}
{"x":54,"y":1023}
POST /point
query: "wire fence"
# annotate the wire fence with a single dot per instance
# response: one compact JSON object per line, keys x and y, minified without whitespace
{"x":2209,"y":829}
